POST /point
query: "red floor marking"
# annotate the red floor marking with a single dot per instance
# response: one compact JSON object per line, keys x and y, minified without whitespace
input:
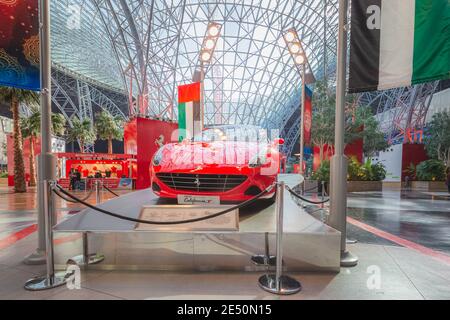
{"x":403,"y":242}
{"x":13,"y":238}
{"x":19,"y":235}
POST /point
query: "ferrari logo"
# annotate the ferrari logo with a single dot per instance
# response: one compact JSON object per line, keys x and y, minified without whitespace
{"x":197,"y":181}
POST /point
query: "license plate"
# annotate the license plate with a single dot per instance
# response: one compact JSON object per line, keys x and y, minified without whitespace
{"x":198,"y":200}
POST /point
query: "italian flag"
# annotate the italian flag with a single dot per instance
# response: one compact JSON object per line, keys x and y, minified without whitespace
{"x":396,"y":43}
{"x":189,"y":115}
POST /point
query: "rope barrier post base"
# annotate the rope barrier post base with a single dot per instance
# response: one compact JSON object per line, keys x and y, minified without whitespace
{"x":85,"y":259}
{"x":51,"y":279}
{"x":286,"y":284}
{"x":278,"y":283}
{"x":265,"y":259}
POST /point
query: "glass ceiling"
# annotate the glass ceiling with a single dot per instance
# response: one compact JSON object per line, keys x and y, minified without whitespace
{"x":83,"y":47}
{"x":151,"y":47}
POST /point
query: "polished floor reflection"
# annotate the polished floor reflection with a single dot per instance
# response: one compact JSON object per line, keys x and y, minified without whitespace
{"x":18,"y":212}
{"x":421,"y":217}
{"x":406,"y":235}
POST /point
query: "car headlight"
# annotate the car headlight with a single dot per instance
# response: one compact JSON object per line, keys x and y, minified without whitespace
{"x":157,"y":158}
{"x":258,"y":160}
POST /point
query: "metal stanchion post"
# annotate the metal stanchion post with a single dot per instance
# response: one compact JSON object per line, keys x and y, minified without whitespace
{"x":339,"y":162}
{"x":323,"y":194}
{"x":50,"y":280}
{"x":266,"y":259}
{"x":98,"y":195}
{"x":90,"y":258}
{"x":278,"y":283}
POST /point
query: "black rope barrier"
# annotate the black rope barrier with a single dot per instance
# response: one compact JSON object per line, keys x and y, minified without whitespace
{"x":73,"y":201}
{"x":119,"y":216}
{"x":110,"y":191}
{"x":314,"y":188}
{"x":292,"y":192}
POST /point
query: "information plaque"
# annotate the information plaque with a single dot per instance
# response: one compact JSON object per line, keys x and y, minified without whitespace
{"x":170,"y":213}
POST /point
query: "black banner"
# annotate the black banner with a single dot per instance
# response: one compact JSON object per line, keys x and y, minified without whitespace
{"x":364,"y":46}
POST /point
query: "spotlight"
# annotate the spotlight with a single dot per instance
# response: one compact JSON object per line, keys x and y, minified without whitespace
{"x":205,"y":56}
{"x":213,"y":30}
{"x":295,"y":48}
{"x":290,"y":36}
{"x":209,"y":44}
{"x":300,"y":59}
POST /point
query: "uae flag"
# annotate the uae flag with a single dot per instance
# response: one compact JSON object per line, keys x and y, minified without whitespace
{"x":189,"y":120}
{"x":396,"y":43}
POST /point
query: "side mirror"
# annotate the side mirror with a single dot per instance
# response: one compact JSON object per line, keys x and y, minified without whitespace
{"x":278,"y":141}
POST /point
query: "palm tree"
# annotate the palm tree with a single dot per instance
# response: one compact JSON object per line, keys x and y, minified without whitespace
{"x":109,"y":128}
{"x":31,"y":127}
{"x":14,"y":97}
{"x":82,"y":132}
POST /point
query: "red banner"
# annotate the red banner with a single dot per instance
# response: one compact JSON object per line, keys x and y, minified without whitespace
{"x":307,"y":122}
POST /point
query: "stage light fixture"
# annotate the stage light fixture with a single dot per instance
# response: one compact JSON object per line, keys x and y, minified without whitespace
{"x":298,"y":54}
{"x":209,"y":42}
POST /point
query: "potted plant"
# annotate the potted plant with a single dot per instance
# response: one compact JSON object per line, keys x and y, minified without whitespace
{"x":430,"y":176}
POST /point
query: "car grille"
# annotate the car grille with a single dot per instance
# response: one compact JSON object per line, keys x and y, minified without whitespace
{"x":201,"y":182}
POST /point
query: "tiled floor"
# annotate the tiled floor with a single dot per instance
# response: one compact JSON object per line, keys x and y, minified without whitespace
{"x":403,"y":273}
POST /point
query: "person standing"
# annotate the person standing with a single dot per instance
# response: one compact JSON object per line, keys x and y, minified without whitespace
{"x":77,"y":179}
{"x":72,"y":179}
{"x":407,"y":182}
{"x":447,"y":181}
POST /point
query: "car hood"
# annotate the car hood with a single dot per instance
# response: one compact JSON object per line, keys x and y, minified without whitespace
{"x":182,"y":156}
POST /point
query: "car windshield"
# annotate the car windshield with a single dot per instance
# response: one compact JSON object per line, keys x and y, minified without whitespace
{"x":246,"y":134}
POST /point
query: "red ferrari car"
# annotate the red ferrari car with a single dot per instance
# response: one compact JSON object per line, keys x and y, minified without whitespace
{"x":232,"y":163}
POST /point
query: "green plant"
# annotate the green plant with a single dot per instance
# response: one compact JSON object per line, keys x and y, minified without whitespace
{"x":410,"y":171}
{"x":378,"y":172}
{"x":354,"y":170}
{"x":323,"y":172}
{"x":81,"y":131}
{"x":109,"y":128}
{"x":366,"y":171}
{"x":322,"y":129}
{"x":431,"y":170}
{"x":360,"y":122}
{"x":31,"y":128}
{"x":4,"y":175}
{"x":14,"y":97}
{"x":437,"y":142}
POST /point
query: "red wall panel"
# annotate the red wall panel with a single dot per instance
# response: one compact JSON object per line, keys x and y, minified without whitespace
{"x":140,"y":138}
{"x":354,"y":149}
{"x":412,"y":153}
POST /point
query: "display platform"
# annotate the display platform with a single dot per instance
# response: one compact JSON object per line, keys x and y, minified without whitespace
{"x":309,"y":244}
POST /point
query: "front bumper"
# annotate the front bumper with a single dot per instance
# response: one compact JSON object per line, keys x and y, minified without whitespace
{"x":245,"y":191}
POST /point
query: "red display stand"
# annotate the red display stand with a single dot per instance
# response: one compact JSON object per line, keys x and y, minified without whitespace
{"x":142,"y":138}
